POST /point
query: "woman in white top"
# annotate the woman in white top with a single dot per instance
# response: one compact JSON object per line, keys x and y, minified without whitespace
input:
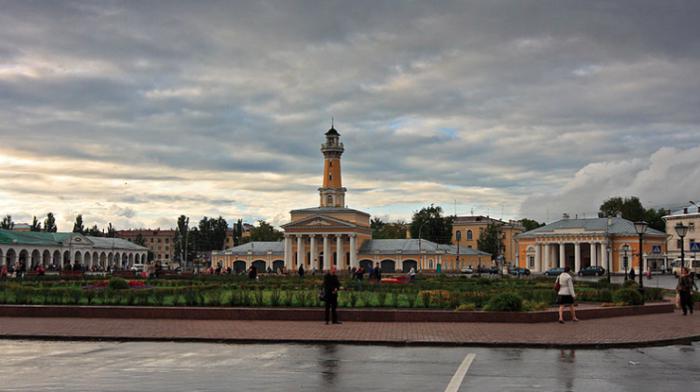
{"x":566,"y":294}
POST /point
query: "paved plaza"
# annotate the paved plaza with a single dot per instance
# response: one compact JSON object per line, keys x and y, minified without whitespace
{"x":167,"y":366}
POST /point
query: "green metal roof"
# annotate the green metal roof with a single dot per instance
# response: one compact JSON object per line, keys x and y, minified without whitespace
{"x":40,"y":238}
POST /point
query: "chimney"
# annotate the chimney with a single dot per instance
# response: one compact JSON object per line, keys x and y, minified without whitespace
{"x":685,"y":210}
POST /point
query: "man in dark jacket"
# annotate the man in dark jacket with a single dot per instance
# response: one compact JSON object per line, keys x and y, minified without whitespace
{"x":331,"y":285}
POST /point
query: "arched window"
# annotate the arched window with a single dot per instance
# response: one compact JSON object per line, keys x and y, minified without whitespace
{"x":329,"y":199}
{"x":470,"y":236}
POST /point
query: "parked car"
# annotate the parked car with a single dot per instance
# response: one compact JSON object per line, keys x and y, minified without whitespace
{"x":467,"y":270}
{"x":519,"y":271}
{"x":591,"y":270}
{"x":556,"y":271}
{"x":487,"y":270}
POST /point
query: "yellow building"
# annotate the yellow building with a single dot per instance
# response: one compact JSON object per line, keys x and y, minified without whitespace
{"x":469,"y":228}
{"x":332,"y":235}
{"x":578,"y":243}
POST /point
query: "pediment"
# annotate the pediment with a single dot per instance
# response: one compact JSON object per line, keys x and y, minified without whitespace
{"x":319,"y":221}
{"x":77,"y":240}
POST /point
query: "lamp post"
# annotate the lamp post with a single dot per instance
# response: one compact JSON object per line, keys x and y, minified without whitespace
{"x":420,"y":249}
{"x":641,"y":228}
{"x":625,"y":249}
{"x":607,"y":244}
{"x":459,"y":238}
{"x":682,"y":230}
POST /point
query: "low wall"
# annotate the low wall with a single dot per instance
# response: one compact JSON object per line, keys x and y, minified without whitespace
{"x":315,"y":314}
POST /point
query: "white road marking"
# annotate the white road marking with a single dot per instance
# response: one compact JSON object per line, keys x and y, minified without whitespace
{"x":458,"y":377}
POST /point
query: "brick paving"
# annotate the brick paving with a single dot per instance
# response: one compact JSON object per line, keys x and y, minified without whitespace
{"x":610,"y":332}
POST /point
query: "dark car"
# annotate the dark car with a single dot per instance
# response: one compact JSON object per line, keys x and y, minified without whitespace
{"x":556,"y":271}
{"x":518,"y":271}
{"x":591,"y":270}
{"x":487,"y":270}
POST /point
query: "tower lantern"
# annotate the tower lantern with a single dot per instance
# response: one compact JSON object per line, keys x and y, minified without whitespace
{"x":332,"y":192}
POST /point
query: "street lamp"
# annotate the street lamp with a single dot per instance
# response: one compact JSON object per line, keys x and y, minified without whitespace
{"x":459,"y":238}
{"x":625,"y":248}
{"x":682,"y":230}
{"x":641,"y":228}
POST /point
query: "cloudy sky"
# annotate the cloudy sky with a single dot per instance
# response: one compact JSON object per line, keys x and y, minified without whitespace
{"x":136,"y":112}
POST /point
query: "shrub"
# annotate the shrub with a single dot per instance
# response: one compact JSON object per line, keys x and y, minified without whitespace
{"x":628,"y":297}
{"x":288,"y":298}
{"x":159,"y":296}
{"x":466,"y":307}
{"x":454,"y":299}
{"x":259,"y":297}
{"x":394,"y":298}
{"x":630,"y":284}
{"x":275,"y":297}
{"x":411,"y":298}
{"x":353,"y":297}
{"x":118,"y":284}
{"x":653,"y":294}
{"x":505,"y":302}
{"x":532,"y":306}
{"x":425,"y":298}
{"x":381,"y":298}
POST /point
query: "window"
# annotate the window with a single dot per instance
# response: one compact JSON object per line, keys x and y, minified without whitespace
{"x":470,"y":236}
{"x":469,"y":246}
{"x":330,"y":163}
{"x":691,"y":226}
{"x":151,"y":239}
{"x":458,"y":235}
{"x":330,"y":177}
{"x":167,"y":240}
{"x":167,"y":256}
{"x":159,"y":240}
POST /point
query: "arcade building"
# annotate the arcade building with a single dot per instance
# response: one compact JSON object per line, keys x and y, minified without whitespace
{"x":332,"y":235}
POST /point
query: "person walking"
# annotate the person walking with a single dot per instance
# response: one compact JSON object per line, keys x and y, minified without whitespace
{"x":684,"y":290}
{"x":632,"y":274}
{"x":412,"y":274}
{"x":331,"y":285}
{"x":301,"y":270}
{"x":566,"y":294}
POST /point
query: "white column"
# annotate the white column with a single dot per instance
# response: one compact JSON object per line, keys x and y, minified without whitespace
{"x":547,"y":252}
{"x":562,"y":254}
{"x":287,"y":252}
{"x":577,"y":256}
{"x":300,"y":251}
{"x":327,"y":256}
{"x":312,"y":249}
{"x":353,"y":251}
{"x":603,"y":256}
{"x":339,"y":251}
{"x":594,"y":260}
{"x":538,"y":258}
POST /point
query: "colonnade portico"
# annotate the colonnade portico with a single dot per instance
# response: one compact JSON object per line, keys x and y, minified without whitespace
{"x":553,"y":254}
{"x":344,"y":242}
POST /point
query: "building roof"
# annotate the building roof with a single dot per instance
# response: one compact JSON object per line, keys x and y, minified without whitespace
{"x":332,"y":131}
{"x":40,"y":238}
{"x":255,"y":247}
{"x":618,"y":226}
{"x":322,"y":210}
{"x":690,"y":209}
{"x":470,"y":219}
{"x":414,"y":246}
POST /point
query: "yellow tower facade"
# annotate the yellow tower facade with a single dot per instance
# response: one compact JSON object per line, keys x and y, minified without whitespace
{"x":332,"y":193}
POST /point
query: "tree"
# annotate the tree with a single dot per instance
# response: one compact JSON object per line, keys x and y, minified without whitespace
{"x":429,"y":224}
{"x":50,"y":223}
{"x":632,"y":209}
{"x":78,"y":226}
{"x":530,"y":224}
{"x":238,"y":232}
{"x":95,"y":231}
{"x":139,"y":240}
{"x":36,"y":225}
{"x":111,"y":231}
{"x":181,"y":238}
{"x":7,"y":223}
{"x":490,"y":240}
{"x":391,"y":230}
{"x":265,"y":232}
{"x":219,"y":228}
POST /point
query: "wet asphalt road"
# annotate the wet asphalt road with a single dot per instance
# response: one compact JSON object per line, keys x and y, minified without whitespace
{"x":108,"y":366}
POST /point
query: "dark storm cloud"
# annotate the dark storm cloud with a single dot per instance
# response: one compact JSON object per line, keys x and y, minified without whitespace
{"x":513,"y":96}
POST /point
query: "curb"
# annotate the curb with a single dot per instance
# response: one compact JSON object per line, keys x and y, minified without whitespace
{"x":400,"y":343}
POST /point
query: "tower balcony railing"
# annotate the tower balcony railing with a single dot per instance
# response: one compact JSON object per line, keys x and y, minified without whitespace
{"x":327,"y":146}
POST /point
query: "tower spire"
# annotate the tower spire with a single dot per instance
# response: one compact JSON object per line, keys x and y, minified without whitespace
{"x":332,"y":192}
